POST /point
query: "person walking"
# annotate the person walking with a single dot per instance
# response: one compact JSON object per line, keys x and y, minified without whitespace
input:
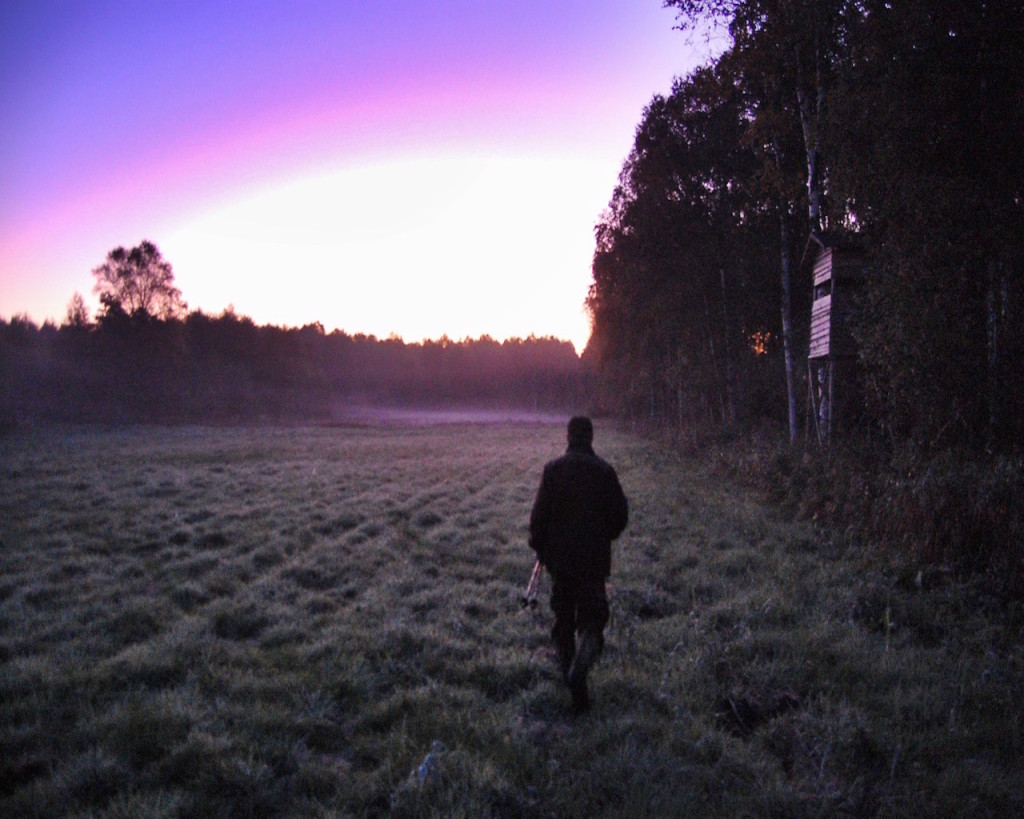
{"x":579,"y":510}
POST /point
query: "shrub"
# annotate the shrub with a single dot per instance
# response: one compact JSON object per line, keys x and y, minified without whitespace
{"x":950,"y":508}
{"x":967,"y":513}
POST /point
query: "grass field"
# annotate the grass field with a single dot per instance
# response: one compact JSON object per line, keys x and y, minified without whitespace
{"x":326,"y":622}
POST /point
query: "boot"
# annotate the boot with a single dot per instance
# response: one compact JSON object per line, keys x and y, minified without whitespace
{"x":565,"y":645}
{"x":586,"y":654}
{"x":565,"y":665}
{"x":580,"y":697}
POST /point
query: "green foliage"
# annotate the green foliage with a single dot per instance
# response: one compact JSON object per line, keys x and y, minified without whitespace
{"x":322,"y":622}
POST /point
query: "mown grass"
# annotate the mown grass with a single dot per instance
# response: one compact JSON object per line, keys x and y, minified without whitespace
{"x":326,"y":622}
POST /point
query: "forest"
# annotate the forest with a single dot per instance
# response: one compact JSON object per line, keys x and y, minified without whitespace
{"x":140,"y":368}
{"x":892,"y":131}
{"x":890,"y":127}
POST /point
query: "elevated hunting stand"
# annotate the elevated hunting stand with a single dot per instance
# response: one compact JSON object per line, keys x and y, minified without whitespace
{"x":838,"y":270}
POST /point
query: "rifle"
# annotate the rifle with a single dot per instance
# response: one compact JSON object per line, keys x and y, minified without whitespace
{"x":529,"y":597}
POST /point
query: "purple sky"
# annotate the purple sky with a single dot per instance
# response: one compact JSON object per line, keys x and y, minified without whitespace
{"x":408,"y":167}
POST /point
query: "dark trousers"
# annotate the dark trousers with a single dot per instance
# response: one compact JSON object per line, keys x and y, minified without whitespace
{"x":579,"y":606}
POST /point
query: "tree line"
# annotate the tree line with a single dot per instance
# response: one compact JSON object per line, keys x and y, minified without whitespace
{"x":146,"y":358}
{"x":892,"y":124}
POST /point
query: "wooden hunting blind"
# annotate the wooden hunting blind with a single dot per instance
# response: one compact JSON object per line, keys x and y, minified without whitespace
{"x":837,"y":271}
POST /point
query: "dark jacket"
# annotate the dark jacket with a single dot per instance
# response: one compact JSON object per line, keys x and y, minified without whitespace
{"x":579,"y":510}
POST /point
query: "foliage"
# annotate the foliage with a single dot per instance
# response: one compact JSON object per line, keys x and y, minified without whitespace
{"x":785,"y":54}
{"x":953,"y":508}
{"x":928,"y":160}
{"x":318,"y":622}
{"x":910,"y":116}
{"x":77,"y":315}
{"x":958,"y":511}
{"x":137,"y":282}
{"x":679,"y":290}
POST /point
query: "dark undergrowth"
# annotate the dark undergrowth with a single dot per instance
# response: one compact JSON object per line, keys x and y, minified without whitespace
{"x":949,"y":511}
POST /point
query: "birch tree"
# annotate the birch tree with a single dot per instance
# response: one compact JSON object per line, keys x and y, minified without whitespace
{"x":785,"y":51}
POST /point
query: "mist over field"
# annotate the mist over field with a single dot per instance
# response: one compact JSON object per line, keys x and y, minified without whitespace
{"x":347,"y":413}
{"x":226,"y":369}
{"x":323,"y":621}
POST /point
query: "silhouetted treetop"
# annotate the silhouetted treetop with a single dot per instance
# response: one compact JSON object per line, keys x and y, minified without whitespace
{"x":138,"y":281}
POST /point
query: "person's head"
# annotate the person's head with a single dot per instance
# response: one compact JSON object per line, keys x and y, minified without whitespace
{"x":581,"y":431}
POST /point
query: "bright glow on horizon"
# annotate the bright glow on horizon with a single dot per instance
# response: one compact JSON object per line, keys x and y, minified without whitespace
{"x":418,"y":247}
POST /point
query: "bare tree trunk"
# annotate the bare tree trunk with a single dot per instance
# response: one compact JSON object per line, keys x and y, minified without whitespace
{"x":730,"y":387}
{"x":788,"y":340}
{"x":808,"y":123}
{"x":812,"y":113}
